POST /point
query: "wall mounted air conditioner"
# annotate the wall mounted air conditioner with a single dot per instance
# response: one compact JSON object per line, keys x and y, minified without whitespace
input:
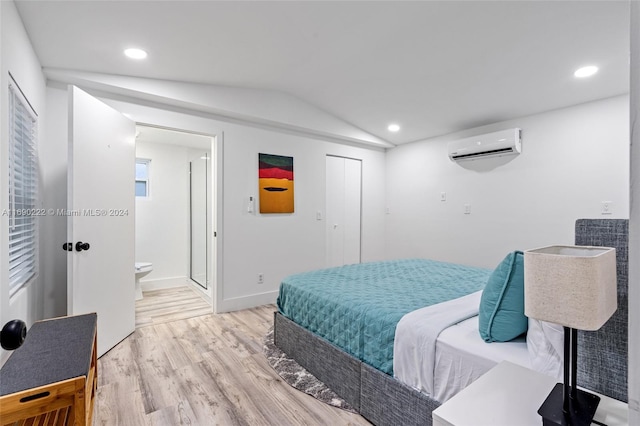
{"x":496,"y":144}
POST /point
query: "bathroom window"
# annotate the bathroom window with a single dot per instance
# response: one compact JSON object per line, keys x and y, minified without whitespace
{"x":23,"y":209}
{"x":142,"y":177}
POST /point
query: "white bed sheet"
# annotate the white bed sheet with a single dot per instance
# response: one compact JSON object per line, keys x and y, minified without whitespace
{"x":462,"y":356}
{"x":414,"y":345}
{"x":438,"y":349}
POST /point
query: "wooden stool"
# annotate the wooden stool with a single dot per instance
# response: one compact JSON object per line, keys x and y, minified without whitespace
{"x":52,"y":378}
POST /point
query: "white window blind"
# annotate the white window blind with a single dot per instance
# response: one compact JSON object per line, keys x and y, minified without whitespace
{"x":23,"y":191}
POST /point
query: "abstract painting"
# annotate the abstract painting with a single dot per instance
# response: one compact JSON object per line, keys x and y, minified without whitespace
{"x":275,"y":175}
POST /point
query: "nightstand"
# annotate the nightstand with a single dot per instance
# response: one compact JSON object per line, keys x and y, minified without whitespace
{"x":510,"y":395}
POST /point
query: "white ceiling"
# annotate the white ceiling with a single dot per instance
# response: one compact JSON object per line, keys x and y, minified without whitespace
{"x":434,"y":67}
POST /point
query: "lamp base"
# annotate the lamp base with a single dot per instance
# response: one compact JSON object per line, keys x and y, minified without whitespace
{"x":581,"y":409}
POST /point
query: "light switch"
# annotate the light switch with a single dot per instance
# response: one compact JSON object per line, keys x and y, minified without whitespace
{"x":467,"y":209}
{"x":607,"y":207}
{"x":443,"y":196}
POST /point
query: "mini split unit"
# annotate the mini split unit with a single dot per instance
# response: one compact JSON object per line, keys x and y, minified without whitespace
{"x":497,"y":144}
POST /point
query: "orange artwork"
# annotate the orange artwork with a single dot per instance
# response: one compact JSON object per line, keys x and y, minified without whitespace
{"x":275,"y":176}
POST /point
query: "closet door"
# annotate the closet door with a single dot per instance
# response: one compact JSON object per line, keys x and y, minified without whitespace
{"x":343,"y":203}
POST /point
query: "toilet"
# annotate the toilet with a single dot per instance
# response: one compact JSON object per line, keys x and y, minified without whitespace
{"x":142,"y":269}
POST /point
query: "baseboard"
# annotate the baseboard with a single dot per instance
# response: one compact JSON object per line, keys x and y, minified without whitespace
{"x":161,"y":283}
{"x":246,"y":302}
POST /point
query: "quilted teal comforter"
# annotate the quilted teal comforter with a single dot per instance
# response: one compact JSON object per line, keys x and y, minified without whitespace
{"x":357,"y":307}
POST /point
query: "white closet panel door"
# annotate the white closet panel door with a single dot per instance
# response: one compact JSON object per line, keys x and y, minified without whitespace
{"x":335,"y":211}
{"x":352,"y":207}
{"x":343,"y":210}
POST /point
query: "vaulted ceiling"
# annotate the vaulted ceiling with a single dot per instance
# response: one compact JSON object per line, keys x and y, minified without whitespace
{"x":433,"y":67}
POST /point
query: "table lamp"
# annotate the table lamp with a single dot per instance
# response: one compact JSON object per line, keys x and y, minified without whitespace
{"x":576,"y":287}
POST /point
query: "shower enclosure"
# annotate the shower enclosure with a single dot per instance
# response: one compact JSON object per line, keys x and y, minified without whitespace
{"x":199,"y":214}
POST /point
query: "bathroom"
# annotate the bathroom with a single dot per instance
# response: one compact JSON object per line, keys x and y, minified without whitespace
{"x":173,"y":229}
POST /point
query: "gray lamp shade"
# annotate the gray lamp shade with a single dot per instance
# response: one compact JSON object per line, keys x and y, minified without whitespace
{"x":574,"y":286}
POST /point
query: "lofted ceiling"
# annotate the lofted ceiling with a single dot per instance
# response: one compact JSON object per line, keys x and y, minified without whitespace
{"x":433,"y":67}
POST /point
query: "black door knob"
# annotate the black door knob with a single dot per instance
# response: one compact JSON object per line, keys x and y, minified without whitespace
{"x":13,"y":334}
{"x":67,"y":246}
{"x":82,"y":246}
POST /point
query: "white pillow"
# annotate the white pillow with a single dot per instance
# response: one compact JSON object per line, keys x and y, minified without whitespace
{"x":545,"y":343}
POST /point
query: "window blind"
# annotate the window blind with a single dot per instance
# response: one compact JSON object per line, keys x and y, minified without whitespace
{"x":23,"y":191}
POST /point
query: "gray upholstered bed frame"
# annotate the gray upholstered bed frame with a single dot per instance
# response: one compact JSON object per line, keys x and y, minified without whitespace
{"x":383,"y":400}
{"x":378,"y":397}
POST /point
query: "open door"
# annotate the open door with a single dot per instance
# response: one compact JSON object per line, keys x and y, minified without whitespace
{"x":100,"y":227}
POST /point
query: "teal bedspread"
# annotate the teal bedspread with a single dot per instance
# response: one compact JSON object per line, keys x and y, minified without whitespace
{"x":357,"y":307}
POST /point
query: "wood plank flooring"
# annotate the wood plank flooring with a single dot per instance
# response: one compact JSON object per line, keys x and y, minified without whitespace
{"x":205,"y":370}
{"x":170,"y":304}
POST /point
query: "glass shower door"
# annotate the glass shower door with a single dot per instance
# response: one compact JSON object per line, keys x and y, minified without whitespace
{"x":199,"y":270}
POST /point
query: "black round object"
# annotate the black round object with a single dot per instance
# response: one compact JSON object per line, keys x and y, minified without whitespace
{"x":13,"y":334}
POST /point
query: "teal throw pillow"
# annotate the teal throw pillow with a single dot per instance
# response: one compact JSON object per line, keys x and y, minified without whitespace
{"x":501,"y":313}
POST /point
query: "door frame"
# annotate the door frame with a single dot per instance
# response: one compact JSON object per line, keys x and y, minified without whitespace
{"x":214,"y":292}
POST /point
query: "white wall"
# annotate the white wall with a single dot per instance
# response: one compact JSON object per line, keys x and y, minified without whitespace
{"x":278,"y":245}
{"x":634,"y":223}
{"x":162,"y":219}
{"x":19,"y":59}
{"x":274,"y":245}
{"x":572,"y":159}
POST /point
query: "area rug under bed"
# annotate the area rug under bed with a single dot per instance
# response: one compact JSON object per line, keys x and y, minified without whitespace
{"x":299,"y":378}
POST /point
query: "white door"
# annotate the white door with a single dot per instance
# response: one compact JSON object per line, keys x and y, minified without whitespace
{"x":352,"y":210}
{"x":343,"y":210}
{"x":101,"y":275}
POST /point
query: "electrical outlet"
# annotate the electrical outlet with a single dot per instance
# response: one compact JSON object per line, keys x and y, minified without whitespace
{"x":261,"y":278}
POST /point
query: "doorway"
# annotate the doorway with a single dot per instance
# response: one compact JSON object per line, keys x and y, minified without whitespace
{"x":174,"y":224}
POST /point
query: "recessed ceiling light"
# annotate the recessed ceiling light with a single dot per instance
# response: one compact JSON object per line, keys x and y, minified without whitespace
{"x":134,"y":53}
{"x":586,"y":71}
{"x":393,"y":128}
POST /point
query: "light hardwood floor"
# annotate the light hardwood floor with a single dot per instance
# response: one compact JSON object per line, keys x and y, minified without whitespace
{"x":170,"y":304}
{"x":206,"y":370}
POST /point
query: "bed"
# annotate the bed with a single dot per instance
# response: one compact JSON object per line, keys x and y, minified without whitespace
{"x":357,"y":307}
{"x":358,"y":363}
{"x":365,"y":327}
